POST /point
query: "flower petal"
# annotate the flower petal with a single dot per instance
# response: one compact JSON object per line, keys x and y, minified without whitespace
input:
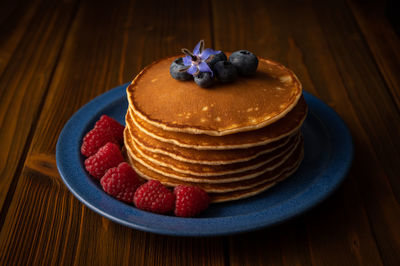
{"x":192,"y":70}
{"x":207,"y":53}
{"x":196,"y":50}
{"x":203,"y":67}
{"x":187,"y":60}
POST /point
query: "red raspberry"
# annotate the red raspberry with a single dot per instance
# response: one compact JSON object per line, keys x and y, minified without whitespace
{"x":106,"y":157}
{"x":155,"y":197}
{"x":105,"y":130}
{"x":121,"y":182}
{"x":116,"y":129}
{"x":190,"y":200}
{"x":95,"y":139}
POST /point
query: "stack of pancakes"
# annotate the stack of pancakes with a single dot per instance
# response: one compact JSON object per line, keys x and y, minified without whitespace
{"x":233,"y":140}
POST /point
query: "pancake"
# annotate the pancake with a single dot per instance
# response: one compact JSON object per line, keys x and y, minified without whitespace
{"x":278,"y":130}
{"x":233,"y":140}
{"x":291,"y":163}
{"x":216,"y":178}
{"x":244,"y":105}
{"x":210,"y":170}
{"x":245,"y":193}
{"x":210,"y":157}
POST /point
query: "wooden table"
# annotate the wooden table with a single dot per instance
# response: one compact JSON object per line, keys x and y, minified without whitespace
{"x":55,"y":56}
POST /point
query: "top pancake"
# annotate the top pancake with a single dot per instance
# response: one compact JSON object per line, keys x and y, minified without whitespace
{"x":274,"y":132}
{"x":183,"y":106}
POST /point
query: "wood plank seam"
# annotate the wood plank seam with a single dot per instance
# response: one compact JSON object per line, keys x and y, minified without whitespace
{"x":15,"y":178}
{"x":22,"y":160}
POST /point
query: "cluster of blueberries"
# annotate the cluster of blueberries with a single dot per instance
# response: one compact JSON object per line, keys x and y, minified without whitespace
{"x":226,"y":70}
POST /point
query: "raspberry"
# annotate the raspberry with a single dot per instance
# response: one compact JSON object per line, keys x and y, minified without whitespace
{"x":105,"y":130}
{"x":95,"y":139}
{"x":105,"y":158}
{"x":121,"y":182}
{"x":190,"y":200}
{"x":116,"y":129}
{"x":155,"y":197}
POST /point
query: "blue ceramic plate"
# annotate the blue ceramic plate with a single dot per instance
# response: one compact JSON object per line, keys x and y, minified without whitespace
{"x":328,"y":156}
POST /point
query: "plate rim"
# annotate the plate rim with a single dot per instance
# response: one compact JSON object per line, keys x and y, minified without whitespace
{"x":211,"y":226}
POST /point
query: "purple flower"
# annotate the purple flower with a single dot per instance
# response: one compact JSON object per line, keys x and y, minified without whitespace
{"x":196,"y":62}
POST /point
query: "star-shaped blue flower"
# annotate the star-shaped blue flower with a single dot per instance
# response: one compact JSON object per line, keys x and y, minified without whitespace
{"x":196,"y":62}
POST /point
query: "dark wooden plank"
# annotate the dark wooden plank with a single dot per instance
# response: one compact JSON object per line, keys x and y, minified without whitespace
{"x":292,"y":33}
{"x":26,"y":74}
{"x":285,"y":244}
{"x":382,"y":41}
{"x":14,"y":20}
{"x":326,"y":77}
{"x":108,"y":44}
{"x":371,"y":174}
{"x":342,"y":219}
{"x":377,"y":144}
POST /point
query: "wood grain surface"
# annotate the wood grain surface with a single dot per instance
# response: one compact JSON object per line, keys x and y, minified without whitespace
{"x":55,"y":56}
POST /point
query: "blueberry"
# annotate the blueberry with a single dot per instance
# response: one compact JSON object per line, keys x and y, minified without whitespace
{"x":245,"y":62}
{"x":175,"y":68}
{"x":225,"y":71}
{"x":216,"y":58}
{"x":204,"y":79}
